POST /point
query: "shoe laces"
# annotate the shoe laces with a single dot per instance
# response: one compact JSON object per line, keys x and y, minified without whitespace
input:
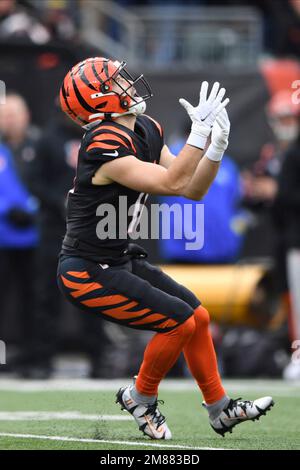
{"x":233,"y":404}
{"x":155,"y":414}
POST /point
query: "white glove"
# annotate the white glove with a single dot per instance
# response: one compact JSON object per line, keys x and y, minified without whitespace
{"x":219,"y":137}
{"x":204,"y":115}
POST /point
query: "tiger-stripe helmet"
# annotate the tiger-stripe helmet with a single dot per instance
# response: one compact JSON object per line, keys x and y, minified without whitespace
{"x":88,"y":93}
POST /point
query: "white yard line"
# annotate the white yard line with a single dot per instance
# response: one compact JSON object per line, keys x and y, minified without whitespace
{"x":276,"y":387}
{"x":58,"y":415}
{"x":105,"y":441}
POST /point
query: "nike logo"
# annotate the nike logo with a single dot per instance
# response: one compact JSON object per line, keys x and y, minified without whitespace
{"x":241,"y":416}
{"x":112,"y":154}
{"x":205,"y":117}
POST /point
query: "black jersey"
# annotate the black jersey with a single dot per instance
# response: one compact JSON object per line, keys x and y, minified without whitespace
{"x":98,"y":217}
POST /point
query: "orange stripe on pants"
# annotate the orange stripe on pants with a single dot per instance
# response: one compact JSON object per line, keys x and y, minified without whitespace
{"x":105,"y":300}
{"x":80,"y":288}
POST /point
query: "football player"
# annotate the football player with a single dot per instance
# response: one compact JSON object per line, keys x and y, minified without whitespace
{"x":123,"y":154}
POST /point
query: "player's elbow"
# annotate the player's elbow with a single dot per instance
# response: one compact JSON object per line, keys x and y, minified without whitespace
{"x":195,"y":196}
{"x":175,"y":187}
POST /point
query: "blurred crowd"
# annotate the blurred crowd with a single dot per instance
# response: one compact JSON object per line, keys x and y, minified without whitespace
{"x":37,"y":168}
{"x":46,"y":20}
{"x":281,"y":19}
{"x":39,"y":21}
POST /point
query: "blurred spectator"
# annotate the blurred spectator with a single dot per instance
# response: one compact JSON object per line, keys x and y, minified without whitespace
{"x":19,"y":134}
{"x":18,"y":22}
{"x":61,"y":18}
{"x":53,"y":174}
{"x":260,"y":184}
{"x":18,"y":219}
{"x":271,"y":189}
{"x":287,"y":221}
{"x":18,"y":239}
{"x":283,"y":27}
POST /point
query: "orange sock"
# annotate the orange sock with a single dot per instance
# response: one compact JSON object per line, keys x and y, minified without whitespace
{"x":161,"y":354}
{"x":201,"y":358}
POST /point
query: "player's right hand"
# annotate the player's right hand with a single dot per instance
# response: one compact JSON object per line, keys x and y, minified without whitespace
{"x":204,"y":114}
{"x":219,"y":137}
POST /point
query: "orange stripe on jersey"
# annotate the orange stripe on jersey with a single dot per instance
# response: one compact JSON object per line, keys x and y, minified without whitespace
{"x":79,"y":274}
{"x":149,"y":319}
{"x":157,"y":124}
{"x":80,"y":289}
{"x":105,"y":300}
{"x":102,"y":137}
{"x":100,"y":145}
{"x":121,"y":132}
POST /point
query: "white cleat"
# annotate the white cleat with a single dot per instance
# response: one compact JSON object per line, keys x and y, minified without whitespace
{"x":148,"y":417}
{"x":239,"y":411}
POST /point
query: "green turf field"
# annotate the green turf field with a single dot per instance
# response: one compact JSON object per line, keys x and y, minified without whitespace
{"x":66,"y":417}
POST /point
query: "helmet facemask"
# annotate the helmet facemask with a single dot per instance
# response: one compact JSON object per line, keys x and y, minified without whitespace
{"x":141,"y":87}
{"x":131,"y":103}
